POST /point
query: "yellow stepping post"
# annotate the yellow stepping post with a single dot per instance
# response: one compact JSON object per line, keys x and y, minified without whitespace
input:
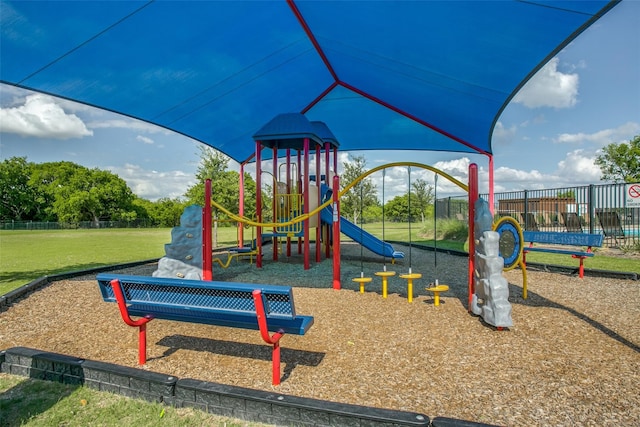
{"x":385,"y":278}
{"x":362,"y":281}
{"x":436,"y":292}
{"x":410,"y":278}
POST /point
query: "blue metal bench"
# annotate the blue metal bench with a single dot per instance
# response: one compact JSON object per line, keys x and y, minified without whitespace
{"x":267,"y":308}
{"x":577,"y":240}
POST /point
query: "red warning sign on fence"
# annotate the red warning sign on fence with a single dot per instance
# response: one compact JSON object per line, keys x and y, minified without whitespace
{"x":633,"y":196}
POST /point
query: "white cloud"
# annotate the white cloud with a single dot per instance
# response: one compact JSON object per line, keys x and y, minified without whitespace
{"x":549,"y":87}
{"x":154,"y":185}
{"x":578,"y":168}
{"x":144,"y":139}
{"x":127,"y":123}
{"x":503,"y":136}
{"x":41,"y":116}
{"x":519,"y":179}
{"x":622,"y":133}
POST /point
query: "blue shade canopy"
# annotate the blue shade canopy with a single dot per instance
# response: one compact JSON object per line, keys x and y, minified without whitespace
{"x":401,"y":75}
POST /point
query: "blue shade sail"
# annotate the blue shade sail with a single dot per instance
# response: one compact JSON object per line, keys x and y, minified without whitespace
{"x":401,"y":75}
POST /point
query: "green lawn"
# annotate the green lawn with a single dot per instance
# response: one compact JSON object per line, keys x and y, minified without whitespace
{"x":400,"y":232}
{"x":30,"y":403}
{"x":26,"y":255}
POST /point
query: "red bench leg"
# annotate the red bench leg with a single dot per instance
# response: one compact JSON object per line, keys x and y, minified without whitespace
{"x":581,"y":269}
{"x":140,"y":323}
{"x":264,"y":332}
{"x":275,"y":363}
{"x":142,"y":344}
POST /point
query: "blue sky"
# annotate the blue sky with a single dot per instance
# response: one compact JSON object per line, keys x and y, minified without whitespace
{"x":586,"y":97}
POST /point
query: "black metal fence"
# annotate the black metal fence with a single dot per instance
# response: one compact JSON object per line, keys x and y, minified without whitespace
{"x":609,"y":209}
{"x":50,"y":225}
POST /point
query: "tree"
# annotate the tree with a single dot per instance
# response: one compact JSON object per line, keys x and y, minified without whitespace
{"x":163,"y":212}
{"x":17,"y":196}
{"x":361,"y":195}
{"x":620,"y":162}
{"x":422,"y":196}
{"x":94,"y":195}
{"x":225,"y":187}
{"x":397,"y":209}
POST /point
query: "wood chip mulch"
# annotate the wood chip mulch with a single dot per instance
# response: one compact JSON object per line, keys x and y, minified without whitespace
{"x":572,"y":357}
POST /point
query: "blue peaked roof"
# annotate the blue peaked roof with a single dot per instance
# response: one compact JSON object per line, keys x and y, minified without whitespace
{"x":401,"y":75}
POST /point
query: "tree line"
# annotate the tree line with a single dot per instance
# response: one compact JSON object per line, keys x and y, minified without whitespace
{"x":67,"y":192}
{"x":70,"y":193}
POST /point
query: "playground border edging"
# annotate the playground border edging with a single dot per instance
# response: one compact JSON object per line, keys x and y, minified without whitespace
{"x":225,"y":400}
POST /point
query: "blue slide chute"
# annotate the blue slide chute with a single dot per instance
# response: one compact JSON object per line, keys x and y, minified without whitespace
{"x":360,"y":236}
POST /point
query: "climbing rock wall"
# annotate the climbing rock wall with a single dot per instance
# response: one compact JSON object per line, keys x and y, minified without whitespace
{"x":183,"y":257}
{"x":491,"y":291}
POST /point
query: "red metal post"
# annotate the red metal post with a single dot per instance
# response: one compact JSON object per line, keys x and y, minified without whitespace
{"x":491,"y":193}
{"x":299,"y":190}
{"x":327,"y":181}
{"x":207,"y":249}
{"x":259,"y":203}
{"x":241,"y":206}
{"x":318,"y":221}
{"x":336,"y":233}
{"x":473,"y":197}
{"x":274,"y":169}
{"x":289,"y":192}
{"x":306,"y":203}
{"x":264,"y":332}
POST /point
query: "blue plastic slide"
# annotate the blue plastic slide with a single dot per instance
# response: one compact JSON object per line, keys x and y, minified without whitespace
{"x":364,"y":238}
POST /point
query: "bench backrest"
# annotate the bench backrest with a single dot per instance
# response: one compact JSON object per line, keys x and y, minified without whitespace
{"x":199,"y":295}
{"x":558,"y":238}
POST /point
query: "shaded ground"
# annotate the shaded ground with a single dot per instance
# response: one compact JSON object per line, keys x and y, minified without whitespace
{"x":572,"y":357}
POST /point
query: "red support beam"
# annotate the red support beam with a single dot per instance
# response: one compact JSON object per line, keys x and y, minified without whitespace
{"x":319,"y":222}
{"x":306,"y":203}
{"x":288,"y":192}
{"x":259,"y":203}
{"x":274,"y":206}
{"x":207,"y":246}
{"x":336,"y":233}
{"x":241,"y":206}
{"x":473,"y":197}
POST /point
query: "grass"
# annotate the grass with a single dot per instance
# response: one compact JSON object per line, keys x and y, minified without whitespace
{"x":26,"y":255}
{"x":452,"y":234}
{"x":598,"y":262}
{"x":30,"y":403}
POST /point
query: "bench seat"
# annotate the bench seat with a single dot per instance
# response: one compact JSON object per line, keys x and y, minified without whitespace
{"x":267,"y":308}
{"x":296,"y":326}
{"x":559,"y":251}
{"x":575,"y":242}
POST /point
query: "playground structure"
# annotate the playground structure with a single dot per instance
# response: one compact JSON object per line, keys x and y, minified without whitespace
{"x":301,"y":202}
{"x":305,"y":201}
{"x":293,"y":193}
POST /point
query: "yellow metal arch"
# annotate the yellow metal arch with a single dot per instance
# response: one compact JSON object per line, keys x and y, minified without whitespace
{"x":305,"y":216}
